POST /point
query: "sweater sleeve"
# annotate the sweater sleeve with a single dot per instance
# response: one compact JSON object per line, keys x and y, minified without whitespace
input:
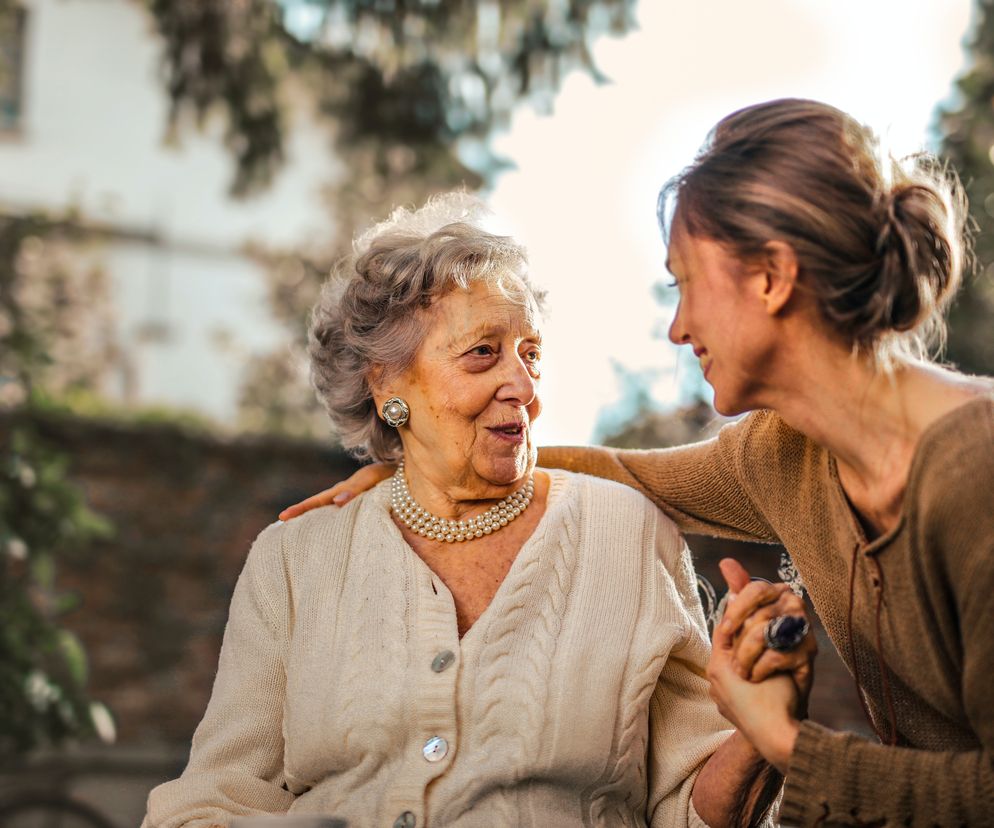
{"x":236,"y":762}
{"x":685,"y":727}
{"x":699,"y":486}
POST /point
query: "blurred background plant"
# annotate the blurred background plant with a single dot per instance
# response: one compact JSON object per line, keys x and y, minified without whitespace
{"x":967,"y":141}
{"x":51,"y":343}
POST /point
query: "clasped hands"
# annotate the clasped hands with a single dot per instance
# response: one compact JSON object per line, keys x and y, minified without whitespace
{"x":763,"y":692}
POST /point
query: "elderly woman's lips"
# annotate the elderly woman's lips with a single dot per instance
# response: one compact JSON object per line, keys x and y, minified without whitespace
{"x":510,"y":433}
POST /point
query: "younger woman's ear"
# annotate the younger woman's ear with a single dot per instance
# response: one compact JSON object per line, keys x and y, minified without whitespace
{"x":780,"y":265}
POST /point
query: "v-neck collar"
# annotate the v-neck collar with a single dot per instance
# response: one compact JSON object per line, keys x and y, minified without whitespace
{"x":932,"y":432}
{"x":559,"y":484}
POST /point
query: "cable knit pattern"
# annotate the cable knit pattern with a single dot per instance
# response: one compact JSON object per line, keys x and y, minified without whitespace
{"x":762,"y":480}
{"x":577,"y":698}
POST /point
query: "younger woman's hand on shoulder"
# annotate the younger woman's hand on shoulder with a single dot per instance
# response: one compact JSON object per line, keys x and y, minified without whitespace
{"x":341,"y":493}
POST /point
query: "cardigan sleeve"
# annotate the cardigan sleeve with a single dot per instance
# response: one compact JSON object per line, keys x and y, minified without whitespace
{"x":699,"y":486}
{"x":685,"y":727}
{"x":236,"y":762}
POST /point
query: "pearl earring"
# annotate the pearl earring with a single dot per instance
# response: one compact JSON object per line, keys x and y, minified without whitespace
{"x":395,"y":412}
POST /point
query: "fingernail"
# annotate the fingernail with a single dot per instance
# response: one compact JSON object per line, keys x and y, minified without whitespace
{"x":341,"y":497}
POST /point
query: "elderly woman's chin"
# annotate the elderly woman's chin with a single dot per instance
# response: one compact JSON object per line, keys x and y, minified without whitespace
{"x":506,"y":465}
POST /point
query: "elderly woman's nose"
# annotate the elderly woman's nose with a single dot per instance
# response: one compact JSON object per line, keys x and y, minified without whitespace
{"x":518,"y":383}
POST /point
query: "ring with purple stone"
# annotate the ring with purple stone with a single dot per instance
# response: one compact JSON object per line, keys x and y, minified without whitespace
{"x":785,"y":632}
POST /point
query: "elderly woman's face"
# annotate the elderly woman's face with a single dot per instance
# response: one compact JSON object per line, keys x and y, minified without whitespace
{"x":472,"y":390}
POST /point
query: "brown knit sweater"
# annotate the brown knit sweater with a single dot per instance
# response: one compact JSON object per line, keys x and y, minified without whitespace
{"x":925,"y":661}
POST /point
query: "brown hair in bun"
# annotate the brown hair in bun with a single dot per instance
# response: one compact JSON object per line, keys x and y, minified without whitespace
{"x":880,"y":242}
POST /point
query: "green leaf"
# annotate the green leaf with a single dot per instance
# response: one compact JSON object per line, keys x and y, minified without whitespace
{"x":74,"y":656}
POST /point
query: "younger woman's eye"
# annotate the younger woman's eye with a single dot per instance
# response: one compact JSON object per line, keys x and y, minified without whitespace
{"x":672,"y":283}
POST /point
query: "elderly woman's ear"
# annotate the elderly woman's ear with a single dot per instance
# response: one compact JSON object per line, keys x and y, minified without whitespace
{"x":391,"y":407}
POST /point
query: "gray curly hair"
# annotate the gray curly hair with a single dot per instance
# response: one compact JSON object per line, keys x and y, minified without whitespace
{"x":374,"y":310}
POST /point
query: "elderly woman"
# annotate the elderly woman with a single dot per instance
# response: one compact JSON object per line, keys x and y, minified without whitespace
{"x":474,"y":642}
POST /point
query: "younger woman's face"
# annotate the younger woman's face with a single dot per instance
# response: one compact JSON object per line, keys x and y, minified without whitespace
{"x":721,"y":317}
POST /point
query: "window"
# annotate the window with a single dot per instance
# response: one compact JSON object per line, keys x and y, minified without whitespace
{"x":12,"y":24}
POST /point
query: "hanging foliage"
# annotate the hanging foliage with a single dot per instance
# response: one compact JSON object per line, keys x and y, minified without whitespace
{"x":410,"y":75}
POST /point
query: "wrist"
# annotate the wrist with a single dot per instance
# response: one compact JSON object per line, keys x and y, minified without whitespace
{"x":780,"y":747}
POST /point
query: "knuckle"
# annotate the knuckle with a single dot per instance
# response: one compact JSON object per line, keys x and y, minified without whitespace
{"x":757,"y":634}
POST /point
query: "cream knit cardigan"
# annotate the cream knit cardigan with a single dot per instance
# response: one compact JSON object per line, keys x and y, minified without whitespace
{"x":577,"y":698}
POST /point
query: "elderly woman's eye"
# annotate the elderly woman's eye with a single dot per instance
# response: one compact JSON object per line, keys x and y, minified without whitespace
{"x":533,"y":355}
{"x":481,"y":350}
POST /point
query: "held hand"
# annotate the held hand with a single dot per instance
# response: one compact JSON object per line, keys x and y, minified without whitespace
{"x":754,"y":604}
{"x":763,"y":712}
{"x":341,"y":493}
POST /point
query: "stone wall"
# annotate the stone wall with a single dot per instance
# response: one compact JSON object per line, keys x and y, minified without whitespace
{"x":154,"y":598}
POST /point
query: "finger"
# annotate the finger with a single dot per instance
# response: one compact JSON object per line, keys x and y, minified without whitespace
{"x":734,"y":573}
{"x":750,"y":641}
{"x":754,"y":595}
{"x":368,"y":476}
{"x":796,"y":662}
{"x":325,"y":498}
{"x":787,"y":604}
{"x":749,"y":646}
{"x":722,"y":641}
{"x":342,"y":492}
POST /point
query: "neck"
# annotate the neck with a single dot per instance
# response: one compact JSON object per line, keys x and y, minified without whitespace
{"x":868,"y":418}
{"x":458,"y":500}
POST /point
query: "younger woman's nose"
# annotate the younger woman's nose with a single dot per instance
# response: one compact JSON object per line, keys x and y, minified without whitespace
{"x":677,"y":332}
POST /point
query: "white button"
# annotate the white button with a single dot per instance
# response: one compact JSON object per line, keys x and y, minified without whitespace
{"x":443,"y":660}
{"x":435,"y":749}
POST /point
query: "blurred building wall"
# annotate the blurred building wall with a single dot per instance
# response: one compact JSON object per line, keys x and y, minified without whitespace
{"x":88,"y":133}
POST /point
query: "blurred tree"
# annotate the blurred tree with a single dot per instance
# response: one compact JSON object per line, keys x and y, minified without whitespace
{"x":411,"y":90}
{"x":43,"y":293}
{"x":653,"y":428}
{"x":402,"y":79}
{"x":968,"y":141}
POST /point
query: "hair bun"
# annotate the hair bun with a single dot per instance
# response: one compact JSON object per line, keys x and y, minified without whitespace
{"x":919,"y":261}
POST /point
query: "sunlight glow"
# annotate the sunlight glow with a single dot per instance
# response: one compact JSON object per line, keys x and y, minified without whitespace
{"x":583,"y":194}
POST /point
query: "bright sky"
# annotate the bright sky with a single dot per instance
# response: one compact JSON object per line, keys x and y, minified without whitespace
{"x":584,"y":192}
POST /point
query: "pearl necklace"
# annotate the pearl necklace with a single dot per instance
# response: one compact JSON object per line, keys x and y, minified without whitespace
{"x":418,"y":520}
